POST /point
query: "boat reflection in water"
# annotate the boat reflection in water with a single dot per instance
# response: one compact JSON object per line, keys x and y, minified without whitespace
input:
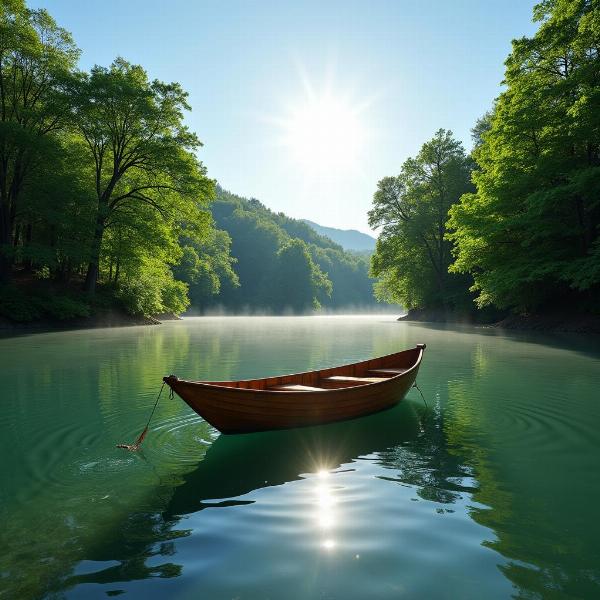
{"x":237,"y":465}
{"x":404,"y":441}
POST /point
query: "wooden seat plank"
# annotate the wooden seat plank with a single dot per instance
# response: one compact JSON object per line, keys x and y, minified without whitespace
{"x":295,"y":388}
{"x":388,"y":371}
{"x":344,"y":378}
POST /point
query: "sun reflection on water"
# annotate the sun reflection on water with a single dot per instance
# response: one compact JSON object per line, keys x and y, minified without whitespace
{"x":326,"y":513}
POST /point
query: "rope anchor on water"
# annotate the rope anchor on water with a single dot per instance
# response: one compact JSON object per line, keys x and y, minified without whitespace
{"x":136,"y":445}
{"x":422,"y":396}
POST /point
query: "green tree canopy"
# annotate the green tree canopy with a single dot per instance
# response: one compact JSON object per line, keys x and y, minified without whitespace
{"x":141,"y":154}
{"x":206,"y":266}
{"x":98,"y":176}
{"x":36,"y":61}
{"x":413,"y":254}
{"x":257,"y":234}
{"x":297,"y":282}
{"x":529,"y":234}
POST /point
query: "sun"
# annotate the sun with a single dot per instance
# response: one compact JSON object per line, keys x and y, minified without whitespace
{"x":324,"y":133}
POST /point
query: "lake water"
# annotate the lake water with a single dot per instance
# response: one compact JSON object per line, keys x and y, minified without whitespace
{"x":492,"y":492}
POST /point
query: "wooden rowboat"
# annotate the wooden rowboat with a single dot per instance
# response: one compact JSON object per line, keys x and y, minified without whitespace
{"x":302,"y":399}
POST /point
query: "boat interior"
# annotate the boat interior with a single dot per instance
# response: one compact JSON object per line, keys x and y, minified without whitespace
{"x":346,"y":376}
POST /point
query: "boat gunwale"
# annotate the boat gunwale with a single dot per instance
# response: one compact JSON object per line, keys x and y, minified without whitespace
{"x":216,"y":385}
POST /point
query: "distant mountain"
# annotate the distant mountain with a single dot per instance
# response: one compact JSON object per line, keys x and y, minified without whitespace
{"x":348,"y":239}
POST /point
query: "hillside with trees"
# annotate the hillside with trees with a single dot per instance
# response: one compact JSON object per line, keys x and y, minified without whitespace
{"x":99,"y":180}
{"x":282,"y":264}
{"x":514,"y":227}
{"x":413,"y":254}
{"x":529,"y":235}
{"x":105,"y":206}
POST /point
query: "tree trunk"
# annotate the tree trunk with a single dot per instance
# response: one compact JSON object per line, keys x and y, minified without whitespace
{"x":584,"y":225}
{"x":28,"y":263}
{"x":5,"y":268}
{"x":94,"y":265}
{"x":117,"y":271}
{"x":6,"y":243}
{"x":10,"y":191}
{"x":91,"y":277}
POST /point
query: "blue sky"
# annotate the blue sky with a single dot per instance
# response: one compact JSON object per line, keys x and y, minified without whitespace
{"x":402,"y":68}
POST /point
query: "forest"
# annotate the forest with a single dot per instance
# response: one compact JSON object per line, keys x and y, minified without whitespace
{"x":514,"y":225}
{"x":104,"y":203}
{"x":279,"y":265}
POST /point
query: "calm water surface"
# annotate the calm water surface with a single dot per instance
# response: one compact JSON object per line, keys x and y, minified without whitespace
{"x":491,"y":493}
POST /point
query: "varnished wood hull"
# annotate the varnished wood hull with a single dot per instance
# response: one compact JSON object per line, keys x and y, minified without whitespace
{"x":252,"y":405}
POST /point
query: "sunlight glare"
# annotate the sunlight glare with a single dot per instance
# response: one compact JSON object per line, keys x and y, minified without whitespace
{"x":328,"y":544}
{"x":324,"y":134}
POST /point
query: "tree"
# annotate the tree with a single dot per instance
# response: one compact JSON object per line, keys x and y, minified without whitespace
{"x":36,"y":61}
{"x":351,"y":286}
{"x":206,"y":266}
{"x":56,"y":212}
{"x":413,"y":255}
{"x":97,"y":170}
{"x":141,"y":153}
{"x":255,"y":241}
{"x":529,"y":236}
{"x":297,"y":283}
{"x":481,"y":127}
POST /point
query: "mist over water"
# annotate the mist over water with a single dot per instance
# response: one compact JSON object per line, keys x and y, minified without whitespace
{"x":372,"y":309}
{"x":489,"y":494}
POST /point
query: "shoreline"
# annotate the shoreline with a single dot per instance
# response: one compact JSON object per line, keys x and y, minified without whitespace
{"x":545,"y":323}
{"x":103,"y":319}
{"x":555,"y":322}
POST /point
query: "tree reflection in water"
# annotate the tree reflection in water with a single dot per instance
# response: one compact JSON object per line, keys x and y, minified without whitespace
{"x":429,"y":451}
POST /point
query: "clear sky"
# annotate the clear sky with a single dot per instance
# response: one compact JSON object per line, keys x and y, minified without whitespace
{"x":303,"y":104}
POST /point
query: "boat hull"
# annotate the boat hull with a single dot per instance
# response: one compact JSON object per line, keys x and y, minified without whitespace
{"x":252,"y":405}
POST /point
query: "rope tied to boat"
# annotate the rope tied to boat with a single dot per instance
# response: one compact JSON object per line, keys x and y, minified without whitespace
{"x":420,"y":392}
{"x":136,"y":445}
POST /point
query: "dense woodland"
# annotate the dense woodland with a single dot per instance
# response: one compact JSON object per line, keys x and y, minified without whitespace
{"x":279,"y":265}
{"x":104,"y":203}
{"x":515,"y":225}
{"x":413,"y":253}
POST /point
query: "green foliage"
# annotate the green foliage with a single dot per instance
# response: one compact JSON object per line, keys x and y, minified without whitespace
{"x":140,"y":153}
{"x":36,"y":61}
{"x":56,"y":218}
{"x":174,"y":296}
{"x":102,"y":180}
{"x":529,"y":234}
{"x":140,"y":250}
{"x":152,"y":291}
{"x":24,"y":305}
{"x":406,"y":276}
{"x":140,"y":296}
{"x":206,"y":265}
{"x":297,"y":283}
{"x":99,"y":174}
{"x":257,"y":235}
{"x":64,"y":307}
{"x":352,"y":287}
{"x":412,"y":254}
{"x":18,"y":306}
